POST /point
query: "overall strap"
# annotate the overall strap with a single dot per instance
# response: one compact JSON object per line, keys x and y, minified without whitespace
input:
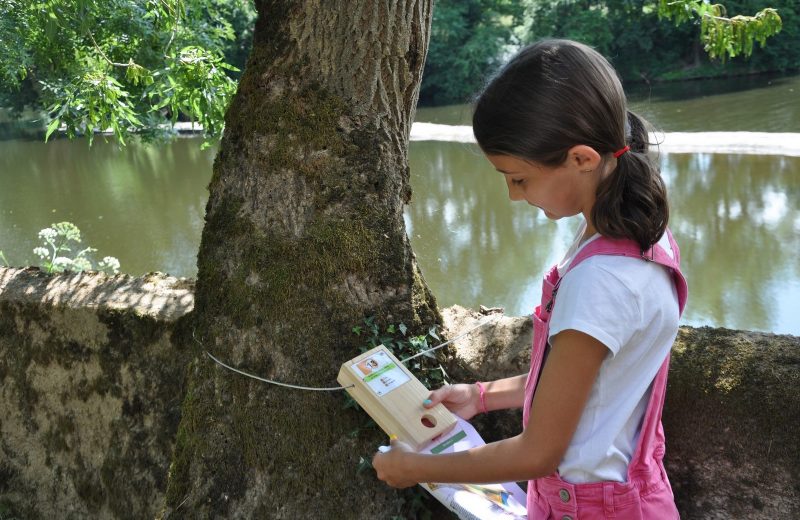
{"x":626,"y":247}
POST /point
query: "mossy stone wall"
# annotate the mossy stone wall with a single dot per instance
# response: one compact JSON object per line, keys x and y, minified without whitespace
{"x":93,"y":371}
{"x":91,"y":384}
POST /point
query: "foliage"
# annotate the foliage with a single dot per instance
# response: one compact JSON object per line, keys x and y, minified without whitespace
{"x":142,"y":65}
{"x":56,"y":241}
{"x":425,"y":368}
{"x":780,"y":53}
{"x":3,"y":259}
{"x":396,"y":339}
{"x":402,"y":346}
{"x":468,"y":41}
{"x":723,"y":37}
{"x":629,"y":32}
{"x":123,"y":65}
{"x":644,"y":44}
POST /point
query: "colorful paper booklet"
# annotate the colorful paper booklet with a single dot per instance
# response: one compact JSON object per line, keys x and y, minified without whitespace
{"x":472,"y":501}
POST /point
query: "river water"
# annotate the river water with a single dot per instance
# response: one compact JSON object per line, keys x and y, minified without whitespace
{"x":736,"y":217}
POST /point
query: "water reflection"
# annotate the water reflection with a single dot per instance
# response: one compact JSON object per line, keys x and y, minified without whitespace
{"x":735,"y":217}
{"x":740,"y":224}
{"x":142,"y":204}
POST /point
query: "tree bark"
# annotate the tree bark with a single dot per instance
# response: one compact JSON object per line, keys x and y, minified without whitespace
{"x":304,"y":237}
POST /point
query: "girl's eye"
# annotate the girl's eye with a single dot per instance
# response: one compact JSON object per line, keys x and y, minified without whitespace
{"x":517,"y":182}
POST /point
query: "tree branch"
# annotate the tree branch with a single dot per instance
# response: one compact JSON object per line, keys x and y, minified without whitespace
{"x":103,"y":54}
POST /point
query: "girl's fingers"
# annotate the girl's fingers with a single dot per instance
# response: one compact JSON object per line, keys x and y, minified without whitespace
{"x":436,"y":397}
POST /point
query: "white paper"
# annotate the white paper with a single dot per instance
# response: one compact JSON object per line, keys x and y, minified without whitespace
{"x":505,"y":501}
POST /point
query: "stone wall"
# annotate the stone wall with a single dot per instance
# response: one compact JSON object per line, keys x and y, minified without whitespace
{"x":91,"y":384}
{"x":91,"y":375}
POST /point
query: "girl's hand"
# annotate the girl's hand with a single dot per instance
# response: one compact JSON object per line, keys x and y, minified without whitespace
{"x":463,"y":400}
{"x":391,"y":467}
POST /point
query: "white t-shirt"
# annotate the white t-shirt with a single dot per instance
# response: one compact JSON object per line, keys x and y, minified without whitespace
{"x":631,"y":306}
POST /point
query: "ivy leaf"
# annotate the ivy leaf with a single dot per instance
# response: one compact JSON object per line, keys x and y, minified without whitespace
{"x":363,"y":464}
{"x":432,"y":332}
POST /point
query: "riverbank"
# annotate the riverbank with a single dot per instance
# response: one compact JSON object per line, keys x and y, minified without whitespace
{"x":711,"y":71}
{"x":740,"y":143}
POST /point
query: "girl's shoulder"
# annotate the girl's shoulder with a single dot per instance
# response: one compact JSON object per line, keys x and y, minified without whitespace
{"x":619,"y":276}
{"x":599,"y":247}
{"x":614,"y":298}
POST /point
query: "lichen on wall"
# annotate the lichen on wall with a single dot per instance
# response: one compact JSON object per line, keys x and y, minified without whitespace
{"x":91,"y":382}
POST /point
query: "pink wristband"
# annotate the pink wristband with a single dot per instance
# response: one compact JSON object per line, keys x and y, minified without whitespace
{"x":482,"y":391}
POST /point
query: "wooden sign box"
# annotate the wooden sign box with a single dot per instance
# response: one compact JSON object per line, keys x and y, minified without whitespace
{"x":393,"y":397}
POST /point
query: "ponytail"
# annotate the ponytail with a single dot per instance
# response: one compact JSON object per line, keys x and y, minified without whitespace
{"x":631,"y":201}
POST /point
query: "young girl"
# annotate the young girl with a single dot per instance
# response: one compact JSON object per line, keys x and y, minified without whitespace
{"x":554,"y":123}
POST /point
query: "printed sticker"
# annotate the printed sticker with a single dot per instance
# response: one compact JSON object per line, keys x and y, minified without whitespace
{"x":380,"y":373}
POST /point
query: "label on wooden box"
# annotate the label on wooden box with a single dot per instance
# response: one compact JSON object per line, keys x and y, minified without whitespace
{"x":380,"y":373}
{"x":393,"y":397}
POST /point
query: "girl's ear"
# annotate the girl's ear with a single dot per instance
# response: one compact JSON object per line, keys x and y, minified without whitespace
{"x":583,"y":157}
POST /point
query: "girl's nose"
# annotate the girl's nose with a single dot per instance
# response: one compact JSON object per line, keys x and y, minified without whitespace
{"x":514,"y":191}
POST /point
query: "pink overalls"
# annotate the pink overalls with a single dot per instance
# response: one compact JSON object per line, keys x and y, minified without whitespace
{"x":647,"y":494}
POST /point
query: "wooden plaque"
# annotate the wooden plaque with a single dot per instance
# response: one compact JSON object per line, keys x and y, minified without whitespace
{"x":393,"y":397}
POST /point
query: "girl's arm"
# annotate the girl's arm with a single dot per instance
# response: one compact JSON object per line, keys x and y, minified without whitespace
{"x":562,"y":392}
{"x":505,"y":393}
{"x":464,"y":400}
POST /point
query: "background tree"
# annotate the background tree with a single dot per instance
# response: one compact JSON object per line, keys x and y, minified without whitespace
{"x":304,"y":237}
{"x":137,"y":65}
{"x":647,"y":40}
{"x":468,"y":41}
{"x":127,"y":65}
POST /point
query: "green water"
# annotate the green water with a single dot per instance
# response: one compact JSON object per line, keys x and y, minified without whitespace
{"x":736,"y":217}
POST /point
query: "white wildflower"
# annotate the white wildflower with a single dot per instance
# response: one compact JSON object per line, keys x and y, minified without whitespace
{"x":110,"y":263}
{"x":48,"y":234}
{"x":61,"y":263}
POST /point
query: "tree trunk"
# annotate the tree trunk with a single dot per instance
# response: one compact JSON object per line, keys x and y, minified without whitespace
{"x":304,"y":237}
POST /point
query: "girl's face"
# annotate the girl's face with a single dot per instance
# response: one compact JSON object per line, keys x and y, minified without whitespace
{"x":561,"y":191}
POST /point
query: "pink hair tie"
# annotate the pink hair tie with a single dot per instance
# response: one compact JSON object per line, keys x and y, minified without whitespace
{"x":483,"y":396}
{"x":621,"y":151}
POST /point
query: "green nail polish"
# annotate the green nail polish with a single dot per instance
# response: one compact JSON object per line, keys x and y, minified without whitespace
{"x":427,"y":402}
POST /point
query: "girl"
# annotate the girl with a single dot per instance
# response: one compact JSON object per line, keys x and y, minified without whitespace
{"x":554,"y":123}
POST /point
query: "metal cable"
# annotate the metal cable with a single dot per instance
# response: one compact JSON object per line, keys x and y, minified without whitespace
{"x":336,"y":388}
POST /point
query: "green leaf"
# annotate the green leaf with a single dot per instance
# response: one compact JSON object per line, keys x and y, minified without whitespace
{"x":432,"y":333}
{"x":363,"y":464}
{"x":54,"y":124}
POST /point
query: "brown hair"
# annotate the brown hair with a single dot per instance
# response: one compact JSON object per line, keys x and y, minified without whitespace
{"x":556,"y":94}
